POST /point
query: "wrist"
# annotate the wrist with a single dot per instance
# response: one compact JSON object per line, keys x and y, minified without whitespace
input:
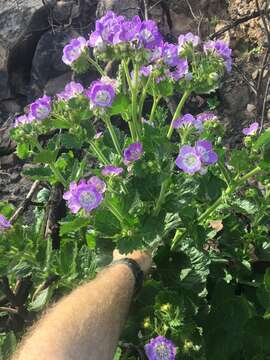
{"x":135,"y":269}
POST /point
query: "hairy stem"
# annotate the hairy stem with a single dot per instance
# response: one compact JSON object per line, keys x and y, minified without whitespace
{"x":236,"y":183}
{"x":114,"y":137}
{"x":154,"y":107}
{"x":178,"y":111}
{"x":99,"y":154}
{"x":96,"y":65}
{"x":55,"y":170}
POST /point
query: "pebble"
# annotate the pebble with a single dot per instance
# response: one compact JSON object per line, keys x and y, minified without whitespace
{"x":251,"y":107}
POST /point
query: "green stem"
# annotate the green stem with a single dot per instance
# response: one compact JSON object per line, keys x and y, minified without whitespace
{"x":96,"y":65}
{"x":143,"y":96}
{"x":113,"y":209}
{"x":154,"y":107}
{"x":178,"y":111}
{"x":134,"y":94}
{"x":101,"y":157}
{"x":162,"y":196}
{"x":132,"y":124}
{"x":229,"y":190}
{"x":54,"y":169}
{"x":114,"y":137}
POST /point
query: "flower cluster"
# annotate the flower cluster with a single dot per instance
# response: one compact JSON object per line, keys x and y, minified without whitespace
{"x":220,"y":48}
{"x":195,"y":121}
{"x":38,"y":111}
{"x":86,"y":195}
{"x":197,"y":158}
{"x":160,"y":348}
{"x":4,"y":223}
{"x":71,"y":90}
{"x":113,"y":30}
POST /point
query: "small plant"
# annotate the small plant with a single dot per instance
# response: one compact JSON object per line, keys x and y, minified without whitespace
{"x":164,"y":183}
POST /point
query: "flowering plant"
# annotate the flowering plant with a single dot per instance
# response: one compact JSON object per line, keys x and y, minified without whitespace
{"x":162,"y":182}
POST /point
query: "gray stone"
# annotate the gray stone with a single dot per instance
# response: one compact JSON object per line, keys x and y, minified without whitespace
{"x":128,"y":8}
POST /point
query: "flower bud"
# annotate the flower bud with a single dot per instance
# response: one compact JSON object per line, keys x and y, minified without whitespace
{"x":147,"y":323}
{"x":165,"y":307}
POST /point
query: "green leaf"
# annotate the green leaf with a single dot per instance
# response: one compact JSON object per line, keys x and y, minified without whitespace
{"x":118,"y":353}
{"x":41,"y":300}
{"x":245,"y":206}
{"x":165,"y":88}
{"x":70,"y":141}
{"x":73,"y":225}
{"x":22,"y":150}
{"x":262,"y":140}
{"x":60,"y":123}
{"x":266,"y":280}
{"x":120,"y":105}
{"x":38,"y":173}
{"x":46,"y":157}
{"x":91,"y":239}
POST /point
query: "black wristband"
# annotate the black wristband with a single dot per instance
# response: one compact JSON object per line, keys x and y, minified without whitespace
{"x":136,"y":270}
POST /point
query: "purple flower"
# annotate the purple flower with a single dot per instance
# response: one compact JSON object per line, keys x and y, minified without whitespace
{"x":98,"y":135}
{"x":146,"y":70}
{"x":160,"y":348}
{"x":128,"y":30}
{"x":97,"y":183}
{"x":111,"y":170}
{"x":188,"y":160}
{"x":74,"y":50}
{"x":170,"y":54}
{"x":106,"y":29}
{"x":101,"y":93}
{"x":133,"y":153}
{"x":4,"y":223}
{"x":186,"y":119}
{"x":40,"y":109}
{"x":251,"y":130}
{"x":188,"y":38}
{"x":85,"y":195}
{"x":206,"y":116}
{"x":149,"y":35}
{"x":156,"y":53}
{"x":22,"y":120}
{"x":181,"y":70}
{"x":222,"y":49}
{"x":72,"y":89}
{"x":205,"y":151}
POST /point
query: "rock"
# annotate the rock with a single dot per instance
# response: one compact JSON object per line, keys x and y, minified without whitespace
{"x":128,"y":8}
{"x":47,"y":61}
{"x":251,"y":108}
{"x":236,"y":99}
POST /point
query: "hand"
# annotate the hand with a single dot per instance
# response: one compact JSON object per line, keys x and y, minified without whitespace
{"x":143,"y":258}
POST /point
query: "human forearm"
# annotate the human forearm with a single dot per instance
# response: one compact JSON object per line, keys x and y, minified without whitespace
{"x":87,"y":322}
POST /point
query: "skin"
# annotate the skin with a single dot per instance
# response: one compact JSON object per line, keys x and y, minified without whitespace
{"x":86,"y":324}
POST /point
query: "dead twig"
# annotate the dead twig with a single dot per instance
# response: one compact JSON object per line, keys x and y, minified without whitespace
{"x":247,"y":81}
{"x":265,"y":25}
{"x":264,"y":103}
{"x":238,"y":22}
{"x":26,"y":202}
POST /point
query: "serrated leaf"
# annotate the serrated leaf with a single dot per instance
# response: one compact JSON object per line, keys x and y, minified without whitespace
{"x":38,"y":173}
{"x":70,"y":141}
{"x":22,"y":150}
{"x":41,"y":300}
{"x":120,"y":105}
{"x":46,"y":157}
{"x":262,"y":140}
{"x":73,"y":225}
